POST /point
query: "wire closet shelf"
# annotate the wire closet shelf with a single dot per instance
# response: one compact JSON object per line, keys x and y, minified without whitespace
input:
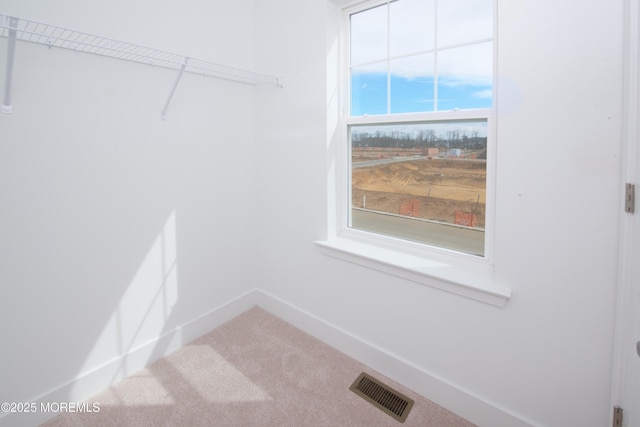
{"x":53,"y":36}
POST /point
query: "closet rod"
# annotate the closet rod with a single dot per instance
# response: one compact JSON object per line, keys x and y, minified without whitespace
{"x":53,"y":36}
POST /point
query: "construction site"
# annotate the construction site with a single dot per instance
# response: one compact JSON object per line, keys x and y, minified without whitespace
{"x":443,"y":186}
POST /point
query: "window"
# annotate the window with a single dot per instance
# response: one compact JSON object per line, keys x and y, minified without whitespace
{"x":418,"y":118}
{"x":411,"y":156}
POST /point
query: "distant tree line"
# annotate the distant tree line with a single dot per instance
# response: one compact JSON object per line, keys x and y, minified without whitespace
{"x":425,"y":138}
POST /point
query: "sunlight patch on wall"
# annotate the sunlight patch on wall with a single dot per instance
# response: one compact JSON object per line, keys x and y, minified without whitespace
{"x":146,"y":305}
{"x":153,"y":292}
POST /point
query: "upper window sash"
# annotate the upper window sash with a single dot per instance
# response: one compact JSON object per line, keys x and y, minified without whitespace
{"x":396,"y":64}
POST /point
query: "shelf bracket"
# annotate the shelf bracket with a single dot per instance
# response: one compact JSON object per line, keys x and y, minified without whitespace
{"x":11,"y":50}
{"x":21,"y":29}
{"x":173,"y":89}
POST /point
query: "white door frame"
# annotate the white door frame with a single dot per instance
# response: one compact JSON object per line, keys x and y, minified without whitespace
{"x":623,"y":354}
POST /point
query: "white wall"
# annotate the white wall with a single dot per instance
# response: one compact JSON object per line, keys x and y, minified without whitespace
{"x":117,"y":228}
{"x":544,"y":358}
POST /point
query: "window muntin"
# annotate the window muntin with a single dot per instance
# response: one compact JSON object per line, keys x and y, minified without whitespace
{"x":399,"y":43}
{"x":413,"y":66}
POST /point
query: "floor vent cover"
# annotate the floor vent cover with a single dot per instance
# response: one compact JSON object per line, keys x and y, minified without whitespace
{"x":382,"y":396}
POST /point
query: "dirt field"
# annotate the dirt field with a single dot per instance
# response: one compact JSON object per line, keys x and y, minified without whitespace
{"x":440,"y":186}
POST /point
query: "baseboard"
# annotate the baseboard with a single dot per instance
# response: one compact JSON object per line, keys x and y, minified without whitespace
{"x":451,"y":396}
{"x":90,"y":383}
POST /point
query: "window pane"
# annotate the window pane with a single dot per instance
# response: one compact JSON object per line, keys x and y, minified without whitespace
{"x":464,"y":21}
{"x":412,"y":24}
{"x":369,"y":35}
{"x":412,"y":84}
{"x":369,"y":90}
{"x":465,"y":77}
{"x":424,"y":182}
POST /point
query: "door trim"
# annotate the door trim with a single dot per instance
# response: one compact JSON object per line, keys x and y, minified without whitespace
{"x":621,"y":384}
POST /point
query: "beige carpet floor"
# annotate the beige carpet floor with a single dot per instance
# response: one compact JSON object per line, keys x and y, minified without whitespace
{"x":255,"y":370}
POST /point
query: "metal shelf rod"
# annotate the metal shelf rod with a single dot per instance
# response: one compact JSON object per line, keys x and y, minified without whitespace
{"x":14,"y":28}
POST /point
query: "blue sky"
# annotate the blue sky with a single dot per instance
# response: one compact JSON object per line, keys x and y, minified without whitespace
{"x":409,"y":44}
{"x":369,"y":94}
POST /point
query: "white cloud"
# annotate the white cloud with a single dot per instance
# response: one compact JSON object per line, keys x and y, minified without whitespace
{"x":369,"y":35}
{"x":412,"y":26}
{"x":413,"y":31}
{"x":483,"y":94}
{"x":469,"y":65}
{"x":462,"y":21}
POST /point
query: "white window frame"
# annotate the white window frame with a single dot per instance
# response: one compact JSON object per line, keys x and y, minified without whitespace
{"x":467,"y":275}
{"x":434,"y":117}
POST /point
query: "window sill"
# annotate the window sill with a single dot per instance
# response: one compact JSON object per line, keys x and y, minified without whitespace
{"x":476,"y":282}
